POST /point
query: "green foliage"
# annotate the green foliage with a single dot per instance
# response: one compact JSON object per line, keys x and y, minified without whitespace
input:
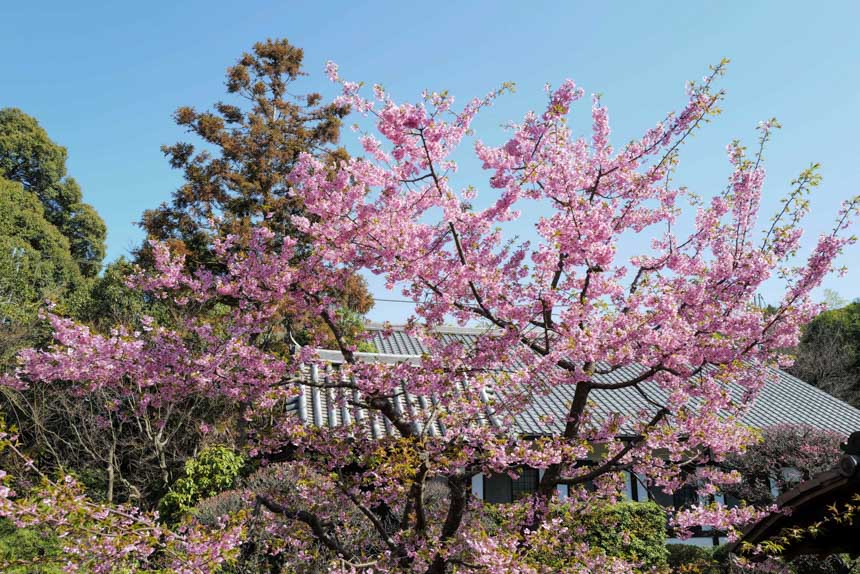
{"x":50,"y":241}
{"x":352,"y":325}
{"x":35,"y":259}
{"x":86,"y":232}
{"x":689,"y":559}
{"x":109,"y":301}
{"x":841,"y":515}
{"x":29,"y":157}
{"x":35,"y":264}
{"x":829,"y":353}
{"x":212,"y":471}
{"x":27,"y":551}
{"x":631,"y":531}
{"x":834,"y":564}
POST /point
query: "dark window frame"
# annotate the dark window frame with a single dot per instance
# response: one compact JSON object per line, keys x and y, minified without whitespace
{"x":526,"y":483}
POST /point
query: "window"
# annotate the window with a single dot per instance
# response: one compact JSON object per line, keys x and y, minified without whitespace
{"x":683,"y":497}
{"x":791,"y":477}
{"x":501,"y":488}
{"x":732,"y":501}
{"x":526,"y":483}
{"x":660,"y":497}
{"x":498,"y":489}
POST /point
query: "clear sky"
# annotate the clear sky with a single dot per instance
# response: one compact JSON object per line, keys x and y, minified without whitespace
{"x":104,"y":77}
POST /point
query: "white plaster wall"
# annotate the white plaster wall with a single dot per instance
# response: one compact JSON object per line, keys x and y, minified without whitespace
{"x":478,"y":486}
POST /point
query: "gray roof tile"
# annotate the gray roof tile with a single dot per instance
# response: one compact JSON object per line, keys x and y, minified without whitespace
{"x":785,"y":400}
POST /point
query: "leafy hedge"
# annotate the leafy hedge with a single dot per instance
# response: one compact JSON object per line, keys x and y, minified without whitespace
{"x":634,"y":532}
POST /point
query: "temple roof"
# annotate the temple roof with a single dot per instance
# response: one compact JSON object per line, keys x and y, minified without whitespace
{"x":784,"y":399}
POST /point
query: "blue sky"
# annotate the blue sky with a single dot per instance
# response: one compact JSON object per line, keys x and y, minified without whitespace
{"x":104,"y":77}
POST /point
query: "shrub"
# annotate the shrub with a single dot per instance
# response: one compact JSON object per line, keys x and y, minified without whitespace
{"x":689,"y":559}
{"x":263,"y":549}
{"x":634,"y":532}
{"x":28,"y":551}
{"x":212,"y":471}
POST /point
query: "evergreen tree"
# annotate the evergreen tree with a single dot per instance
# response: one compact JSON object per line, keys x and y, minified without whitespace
{"x":828,"y":355}
{"x":36,"y":264}
{"x":28,"y":156}
{"x":238,"y":177}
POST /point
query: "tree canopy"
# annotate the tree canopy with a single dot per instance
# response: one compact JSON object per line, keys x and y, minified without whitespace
{"x":51,"y":248}
{"x":29,"y":157}
{"x":238,"y":177}
{"x":828,"y":355}
{"x":36,"y":258}
{"x":36,"y":264}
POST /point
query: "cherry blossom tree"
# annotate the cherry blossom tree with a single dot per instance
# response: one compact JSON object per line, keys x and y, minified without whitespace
{"x":565,"y":309}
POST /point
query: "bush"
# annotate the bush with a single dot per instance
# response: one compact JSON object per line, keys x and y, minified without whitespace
{"x":634,"y":532}
{"x":213,"y":470}
{"x":28,"y":551}
{"x":689,"y":559}
{"x":263,"y":548}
